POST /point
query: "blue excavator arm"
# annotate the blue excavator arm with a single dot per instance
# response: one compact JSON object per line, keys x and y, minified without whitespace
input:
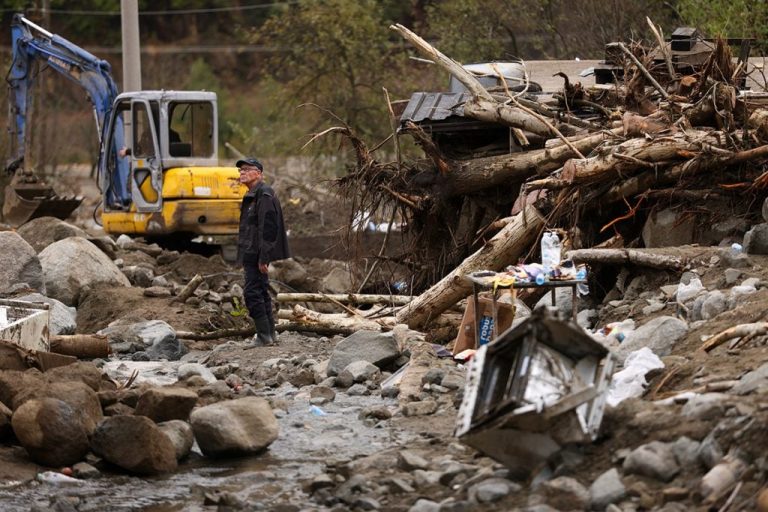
{"x":30,"y":43}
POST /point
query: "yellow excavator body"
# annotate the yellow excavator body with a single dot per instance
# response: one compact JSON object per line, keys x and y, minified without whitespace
{"x":195,"y":200}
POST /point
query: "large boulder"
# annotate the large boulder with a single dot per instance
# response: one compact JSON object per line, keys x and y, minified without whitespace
{"x":62,"y":319}
{"x":51,"y":431}
{"x":165,"y":404}
{"x":156,"y":337}
{"x":14,"y":382}
{"x":80,"y":371}
{"x":234,"y":427}
{"x":659,"y":334}
{"x":43,"y":231}
{"x":135,"y":444}
{"x":71,"y":264}
{"x":81,"y":398}
{"x":19,"y":263}
{"x":756,"y":240}
{"x":668,"y":228}
{"x":375,"y":347}
{"x":181,"y":435}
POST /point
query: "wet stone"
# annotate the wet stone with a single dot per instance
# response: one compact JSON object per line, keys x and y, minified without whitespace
{"x":85,"y":471}
{"x":390,"y":392}
{"x":367,"y":503}
{"x":424,"y":478}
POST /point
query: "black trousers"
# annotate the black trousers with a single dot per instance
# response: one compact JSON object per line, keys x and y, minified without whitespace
{"x":256,"y":292}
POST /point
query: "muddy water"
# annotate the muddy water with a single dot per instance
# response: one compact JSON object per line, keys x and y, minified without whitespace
{"x":306,"y":443}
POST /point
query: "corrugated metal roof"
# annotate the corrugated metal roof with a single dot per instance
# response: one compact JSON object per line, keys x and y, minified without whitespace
{"x":434,"y":106}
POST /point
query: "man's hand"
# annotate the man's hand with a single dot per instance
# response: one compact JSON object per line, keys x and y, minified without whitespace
{"x":263,"y":268}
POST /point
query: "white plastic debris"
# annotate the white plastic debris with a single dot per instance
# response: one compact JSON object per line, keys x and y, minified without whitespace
{"x":686,"y":292}
{"x":56,"y":478}
{"x":630,"y":382}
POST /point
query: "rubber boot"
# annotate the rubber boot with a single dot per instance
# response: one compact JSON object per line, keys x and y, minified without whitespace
{"x":272,"y":330}
{"x":263,"y":335}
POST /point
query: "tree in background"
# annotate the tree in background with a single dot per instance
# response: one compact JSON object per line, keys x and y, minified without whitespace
{"x":337,"y":54}
{"x":731,"y":18}
{"x":475,"y":30}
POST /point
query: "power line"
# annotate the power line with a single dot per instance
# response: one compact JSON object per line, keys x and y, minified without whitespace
{"x":178,"y":11}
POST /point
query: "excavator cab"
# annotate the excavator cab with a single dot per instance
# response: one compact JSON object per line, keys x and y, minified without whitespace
{"x":165,"y":178}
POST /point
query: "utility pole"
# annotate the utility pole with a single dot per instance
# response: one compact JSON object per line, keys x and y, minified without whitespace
{"x":129,"y":10}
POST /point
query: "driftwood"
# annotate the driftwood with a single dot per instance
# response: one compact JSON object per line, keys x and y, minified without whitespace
{"x":189,"y":289}
{"x":641,"y":257}
{"x":81,"y":345}
{"x":737,"y":331}
{"x":345,"y":298}
{"x":337,"y":322}
{"x":504,"y":249}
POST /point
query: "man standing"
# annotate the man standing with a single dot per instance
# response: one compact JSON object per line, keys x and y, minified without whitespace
{"x":261,"y":240}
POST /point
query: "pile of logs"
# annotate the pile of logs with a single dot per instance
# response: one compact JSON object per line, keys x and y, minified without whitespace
{"x":656,"y":139}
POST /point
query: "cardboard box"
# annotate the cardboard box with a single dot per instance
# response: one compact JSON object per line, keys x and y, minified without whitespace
{"x":466,"y":337}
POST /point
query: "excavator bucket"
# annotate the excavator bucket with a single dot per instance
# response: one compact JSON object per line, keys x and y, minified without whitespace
{"x":27,"y":198}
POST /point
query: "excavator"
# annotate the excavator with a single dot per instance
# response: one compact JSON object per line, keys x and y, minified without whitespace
{"x":158,"y":168}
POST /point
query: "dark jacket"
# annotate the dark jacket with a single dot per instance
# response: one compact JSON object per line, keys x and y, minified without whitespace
{"x":261,"y":237}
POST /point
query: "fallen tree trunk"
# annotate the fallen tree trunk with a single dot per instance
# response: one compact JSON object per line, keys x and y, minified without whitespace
{"x":737,"y":331}
{"x":345,"y":298}
{"x":81,"y":345}
{"x":503,"y":249}
{"x":629,"y":156}
{"x":641,"y":257}
{"x":337,"y":321}
{"x":482,"y":173}
{"x":189,"y":289}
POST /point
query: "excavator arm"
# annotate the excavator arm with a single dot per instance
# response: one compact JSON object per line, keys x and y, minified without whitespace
{"x":31,"y":43}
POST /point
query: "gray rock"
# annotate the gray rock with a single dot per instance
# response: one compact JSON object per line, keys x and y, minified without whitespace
{"x":234,"y":427}
{"x":323,"y":392}
{"x":139,"y":275}
{"x":51,"y":431}
{"x":686,"y":451}
{"x":366,"y":503}
{"x":654,"y":460}
{"x":156,"y":291}
{"x":710,"y":452}
{"x":756,"y":380}
{"x":729,"y":258}
{"x":424,"y":505}
{"x":423,"y":478}
{"x":563,"y":300}
{"x":732,"y":275}
{"x":453,"y":380}
{"x":378,"y":412}
{"x":659,"y":334}
{"x":165,"y":404}
{"x":765,"y":209}
{"x":409,"y":461}
{"x":135,"y":444}
{"x":19,"y":263}
{"x":422,"y":408}
{"x":187,"y":370}
{"x":756,"y":240}
{"x":375,"y":347}
{"x":398,"y":485}
{"x":360,"y":371}
{"x":289,"y":272}
{"x":606,"y":489}
{"x":668,"y":228}
{"x":491,"y":490}
{"x":706,"y":406}
{"x":72,"y":263}
{"x":565,"y":493}
{"x":62,"y":319}
{"x":337,"y":280}
{"x":43,"y":231}
{"x":433,"y":376}
{"x":123,"y":335}
{"x":358,"y":390}
{"x":85,"y":471}
{"x":181,"y":435}
{"x":715,"y":302}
